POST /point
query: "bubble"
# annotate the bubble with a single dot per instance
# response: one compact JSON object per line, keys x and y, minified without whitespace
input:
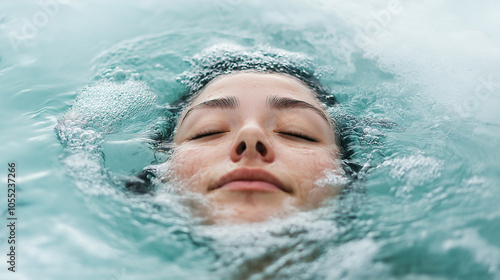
{"x":108,"y":103}
{"x":334,"y":178}
{"x":100,"y":109}
{"x":225,"y":58}
{"x":415,"y":170}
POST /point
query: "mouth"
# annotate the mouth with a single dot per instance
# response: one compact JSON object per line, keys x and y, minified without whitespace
{"x":246,"y":179}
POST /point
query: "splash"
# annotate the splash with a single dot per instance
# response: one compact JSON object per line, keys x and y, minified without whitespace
{"x":100,"y":109}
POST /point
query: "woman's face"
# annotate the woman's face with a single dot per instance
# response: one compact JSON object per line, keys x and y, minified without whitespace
{"x":254,"y":144}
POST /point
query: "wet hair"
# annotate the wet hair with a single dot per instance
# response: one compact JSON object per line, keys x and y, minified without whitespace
{"x":224,"y":60}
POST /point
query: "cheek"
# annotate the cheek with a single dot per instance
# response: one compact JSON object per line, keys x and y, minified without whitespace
{"x":311,"y":163}
{"x":193,"y":165}
{"x":308,"y":166}
{"x":183,"y":163}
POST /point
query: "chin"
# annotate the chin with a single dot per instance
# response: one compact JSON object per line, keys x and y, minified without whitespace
{"x":238,"y":208}
{"x":242,"y":216}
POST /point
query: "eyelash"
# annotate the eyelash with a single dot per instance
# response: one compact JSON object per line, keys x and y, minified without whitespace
{"x":205,"y":134}
{"x":300,"y":135}
{"x":293,"y":134}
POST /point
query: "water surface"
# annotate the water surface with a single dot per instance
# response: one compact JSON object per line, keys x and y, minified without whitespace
{"x":429,"y":206}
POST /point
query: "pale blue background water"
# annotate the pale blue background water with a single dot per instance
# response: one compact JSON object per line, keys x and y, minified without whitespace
{"x":430,"y":210}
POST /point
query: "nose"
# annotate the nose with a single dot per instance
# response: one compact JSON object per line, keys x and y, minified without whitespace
{"x":251,"y":143}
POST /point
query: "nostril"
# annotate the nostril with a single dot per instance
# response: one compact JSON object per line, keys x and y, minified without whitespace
{"x":261,"y":148}
{"x":241,"y":148}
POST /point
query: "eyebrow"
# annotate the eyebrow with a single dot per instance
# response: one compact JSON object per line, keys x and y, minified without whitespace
{"x":290,"y":103}
{"x":231,"y":102}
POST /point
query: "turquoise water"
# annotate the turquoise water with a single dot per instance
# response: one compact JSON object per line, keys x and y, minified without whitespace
{"x":428,"y":208}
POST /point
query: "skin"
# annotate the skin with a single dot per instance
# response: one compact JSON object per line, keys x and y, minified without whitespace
{"x":250,"y":137}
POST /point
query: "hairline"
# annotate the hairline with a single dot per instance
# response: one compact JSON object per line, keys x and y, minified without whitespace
{"x":196,"y":94}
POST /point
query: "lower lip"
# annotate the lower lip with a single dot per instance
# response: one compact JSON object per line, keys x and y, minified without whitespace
{"x":256,"y":186}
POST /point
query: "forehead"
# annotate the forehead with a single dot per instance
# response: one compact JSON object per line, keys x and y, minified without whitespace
{"x":248,"y":86}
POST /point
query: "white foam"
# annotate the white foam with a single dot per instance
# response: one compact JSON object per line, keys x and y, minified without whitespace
{"x":450,"y":49}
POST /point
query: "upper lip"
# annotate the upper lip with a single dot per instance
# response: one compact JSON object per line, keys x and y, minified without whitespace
{"x":247,"y":174}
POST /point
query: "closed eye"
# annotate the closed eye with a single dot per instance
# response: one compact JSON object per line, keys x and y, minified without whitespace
{"x":205,"y":134}
{"x":299,"y":135}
